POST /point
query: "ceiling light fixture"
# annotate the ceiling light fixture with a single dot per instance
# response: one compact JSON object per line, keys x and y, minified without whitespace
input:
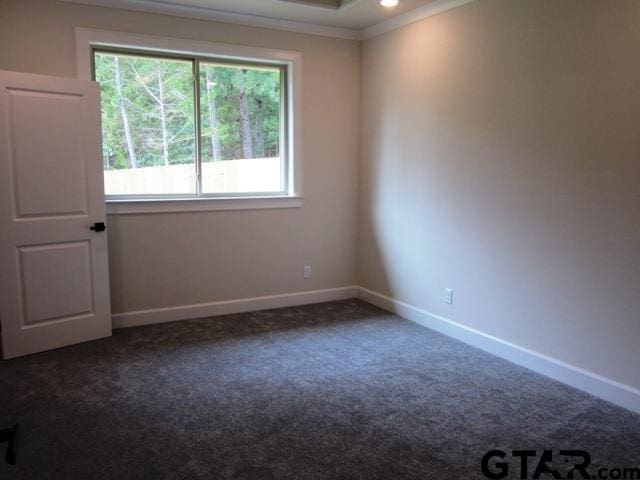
{"x":388,"y":3}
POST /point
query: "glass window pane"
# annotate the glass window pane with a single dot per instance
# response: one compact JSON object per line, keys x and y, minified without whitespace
{"x":240,"y":117}
{"x":148,"y":126}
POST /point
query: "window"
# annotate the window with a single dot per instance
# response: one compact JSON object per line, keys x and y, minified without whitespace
{"x":178,"y":126}
{"x":241,"y":125}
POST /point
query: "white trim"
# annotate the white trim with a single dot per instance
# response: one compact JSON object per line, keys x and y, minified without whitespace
{"x":125,"y":207}
{"x":201,"y":13}
{"x":225,"y":307}
{"x":605,"y":388}
{"x":420,"y":13}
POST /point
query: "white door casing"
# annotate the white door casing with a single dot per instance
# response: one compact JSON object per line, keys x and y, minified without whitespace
{"x":54,"y":283}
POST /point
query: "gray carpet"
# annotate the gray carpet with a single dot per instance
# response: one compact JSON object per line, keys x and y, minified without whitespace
{"x":337,"y":390}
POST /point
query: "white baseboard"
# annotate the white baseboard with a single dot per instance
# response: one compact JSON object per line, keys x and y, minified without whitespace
{"x":225,"y":307}
{"x":597,"y":385}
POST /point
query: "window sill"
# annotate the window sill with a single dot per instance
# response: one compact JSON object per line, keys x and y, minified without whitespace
{"x":125,"y":207}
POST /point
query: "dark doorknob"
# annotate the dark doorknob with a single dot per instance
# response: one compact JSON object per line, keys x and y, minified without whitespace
{"x":98,"y":227}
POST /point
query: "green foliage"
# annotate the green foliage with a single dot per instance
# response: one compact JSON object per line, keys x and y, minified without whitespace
{"x":262,"y":88}
{"x":157,"y":100}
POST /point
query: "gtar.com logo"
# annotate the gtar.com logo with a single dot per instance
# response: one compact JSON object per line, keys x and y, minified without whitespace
{"x":569,"y":464}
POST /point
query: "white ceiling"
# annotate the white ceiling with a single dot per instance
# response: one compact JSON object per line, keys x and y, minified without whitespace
{"x":356,"y":19}
{"x":355,"y":15}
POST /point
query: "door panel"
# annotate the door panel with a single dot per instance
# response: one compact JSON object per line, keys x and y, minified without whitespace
{"x":56,"y":158}
{"x":54,"y":287}
{"x":46,"y":298}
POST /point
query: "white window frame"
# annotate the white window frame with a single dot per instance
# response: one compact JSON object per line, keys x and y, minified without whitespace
{"x":88,"y":39}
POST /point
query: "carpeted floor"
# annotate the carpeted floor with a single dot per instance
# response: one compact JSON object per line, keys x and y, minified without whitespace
{"x":337,"y":390}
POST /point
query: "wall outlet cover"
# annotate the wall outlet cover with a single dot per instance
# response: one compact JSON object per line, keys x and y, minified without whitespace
{"x":448,"y":296}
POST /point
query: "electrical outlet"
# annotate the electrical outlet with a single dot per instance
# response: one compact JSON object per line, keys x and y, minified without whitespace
{"x":448,"y":296}
{"x":307,"y":271}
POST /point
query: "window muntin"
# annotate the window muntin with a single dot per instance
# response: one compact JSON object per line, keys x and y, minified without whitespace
{"x":158,"y":138}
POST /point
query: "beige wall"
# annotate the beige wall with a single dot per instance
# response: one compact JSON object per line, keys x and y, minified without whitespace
{"x":501,"y":158}
{"x":178,"y":259}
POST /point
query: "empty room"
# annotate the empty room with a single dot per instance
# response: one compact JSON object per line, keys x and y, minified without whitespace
{"x":320,"y":239}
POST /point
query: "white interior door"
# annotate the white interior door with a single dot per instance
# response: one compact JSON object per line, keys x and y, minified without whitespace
{"x":54,"y":284}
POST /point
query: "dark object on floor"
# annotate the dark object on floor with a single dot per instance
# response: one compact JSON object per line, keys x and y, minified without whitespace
{"x":339,"y":390}
{"x":11,"y":435}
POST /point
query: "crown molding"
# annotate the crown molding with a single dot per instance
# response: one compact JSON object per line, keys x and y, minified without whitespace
{"x":202,"y":13}
{"x":420,"y":13}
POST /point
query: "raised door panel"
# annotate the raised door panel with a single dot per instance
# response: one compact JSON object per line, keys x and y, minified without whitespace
{"x":47,"y":153}
{"x":56,"y":282}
